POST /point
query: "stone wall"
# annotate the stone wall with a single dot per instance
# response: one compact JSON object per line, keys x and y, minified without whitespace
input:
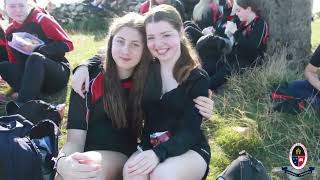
{"x":84,"y":13}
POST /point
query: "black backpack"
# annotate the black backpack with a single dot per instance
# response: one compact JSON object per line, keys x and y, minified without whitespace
{"x":27,"y":148}
{"x":35,"y":111}
{"x":245,"y":167}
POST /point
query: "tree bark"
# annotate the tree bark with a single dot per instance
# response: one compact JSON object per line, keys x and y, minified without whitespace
{"x":289,"y":24}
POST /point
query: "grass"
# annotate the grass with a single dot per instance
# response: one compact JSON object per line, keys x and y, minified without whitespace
{"x":244,"y":103}
{"x":315,"y":40}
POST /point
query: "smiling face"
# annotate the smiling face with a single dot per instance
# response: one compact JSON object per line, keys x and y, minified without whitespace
{"x":18,"y":10}
{"x":127,"y":48}
{"x":163,"y":41}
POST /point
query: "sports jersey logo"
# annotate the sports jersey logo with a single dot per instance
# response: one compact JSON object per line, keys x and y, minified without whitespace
{"x":298,"y":156}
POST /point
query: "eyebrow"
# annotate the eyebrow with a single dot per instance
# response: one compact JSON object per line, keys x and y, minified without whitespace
{"x":161,"y":33}
{"x":122,"y":38}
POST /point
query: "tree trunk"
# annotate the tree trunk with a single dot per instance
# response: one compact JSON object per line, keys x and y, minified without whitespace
{"x":289,"y":24}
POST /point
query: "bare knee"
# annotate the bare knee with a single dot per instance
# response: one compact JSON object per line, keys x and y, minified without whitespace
{"x":161,"y":172}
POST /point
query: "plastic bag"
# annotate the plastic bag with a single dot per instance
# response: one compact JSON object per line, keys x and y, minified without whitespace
{"x":24,"y":42}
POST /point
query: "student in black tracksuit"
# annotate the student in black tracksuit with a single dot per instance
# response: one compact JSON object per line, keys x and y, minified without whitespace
{"x":173,"y":144}
{"x":114,"y":91}
{"x":108,"y":120}
{"x":46,"y":69}
{"x":249,"y":38}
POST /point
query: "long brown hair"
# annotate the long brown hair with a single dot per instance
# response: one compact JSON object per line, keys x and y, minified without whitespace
{"x":189,"y":58}
{"x":125,"y":112}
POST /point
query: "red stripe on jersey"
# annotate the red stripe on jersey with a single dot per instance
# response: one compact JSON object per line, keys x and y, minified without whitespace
{"x":97,"y":88}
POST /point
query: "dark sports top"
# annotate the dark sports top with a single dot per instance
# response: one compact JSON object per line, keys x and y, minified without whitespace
{"x":175,"y":112}
{"x":42,"y":25}
{"x":89,"y":114}
{"x":315,"y":59}
{"x":251,"y":40}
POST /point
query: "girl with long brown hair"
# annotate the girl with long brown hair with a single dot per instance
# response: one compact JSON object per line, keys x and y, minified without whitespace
{"x":173,"y":144}
{"x":109,"y":119}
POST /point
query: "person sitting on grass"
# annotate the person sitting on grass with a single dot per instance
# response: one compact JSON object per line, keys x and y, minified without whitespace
{"x":247,"y":40}
{"x":109,"y":119}
{"x":308,"y":89}
{"x":34,"y":67}
{"x":173,"y":143}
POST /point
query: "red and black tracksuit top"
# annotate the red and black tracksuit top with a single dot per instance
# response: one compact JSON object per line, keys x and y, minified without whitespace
{"x":89,"y":114}
{"x":43,"y":26}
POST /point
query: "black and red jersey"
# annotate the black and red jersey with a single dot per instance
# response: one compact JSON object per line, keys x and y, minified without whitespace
{"x":89,"y":114}
{"x":251,"y":39}
{"x":43,"y":26}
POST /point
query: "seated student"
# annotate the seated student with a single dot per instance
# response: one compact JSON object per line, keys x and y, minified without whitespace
{"x":173,"y":144}
{"x":205,"y":14}
{"x":147,"y":5}
{"x":38,"y":69}
{"x":247,"y":39}
{"x":109,"y":119}
{"x":309,"y":89}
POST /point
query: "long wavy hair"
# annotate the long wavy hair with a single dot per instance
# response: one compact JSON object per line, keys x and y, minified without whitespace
{"x":189,"y":58}
{"x":125,"y":113}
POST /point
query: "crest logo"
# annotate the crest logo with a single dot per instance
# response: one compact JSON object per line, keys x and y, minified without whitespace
{"x":298,"y":156}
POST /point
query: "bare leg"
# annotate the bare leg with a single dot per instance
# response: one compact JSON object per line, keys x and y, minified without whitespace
{"x":188,"y":166}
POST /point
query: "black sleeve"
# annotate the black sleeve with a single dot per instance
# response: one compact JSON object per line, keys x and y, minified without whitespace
{"x":94,"y":65}
{"x":53,"y":50}
{"x":189,"y":132}
{"x":249,"y":44}
{"x":77,"y":112}
{"x":315,"y":59}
